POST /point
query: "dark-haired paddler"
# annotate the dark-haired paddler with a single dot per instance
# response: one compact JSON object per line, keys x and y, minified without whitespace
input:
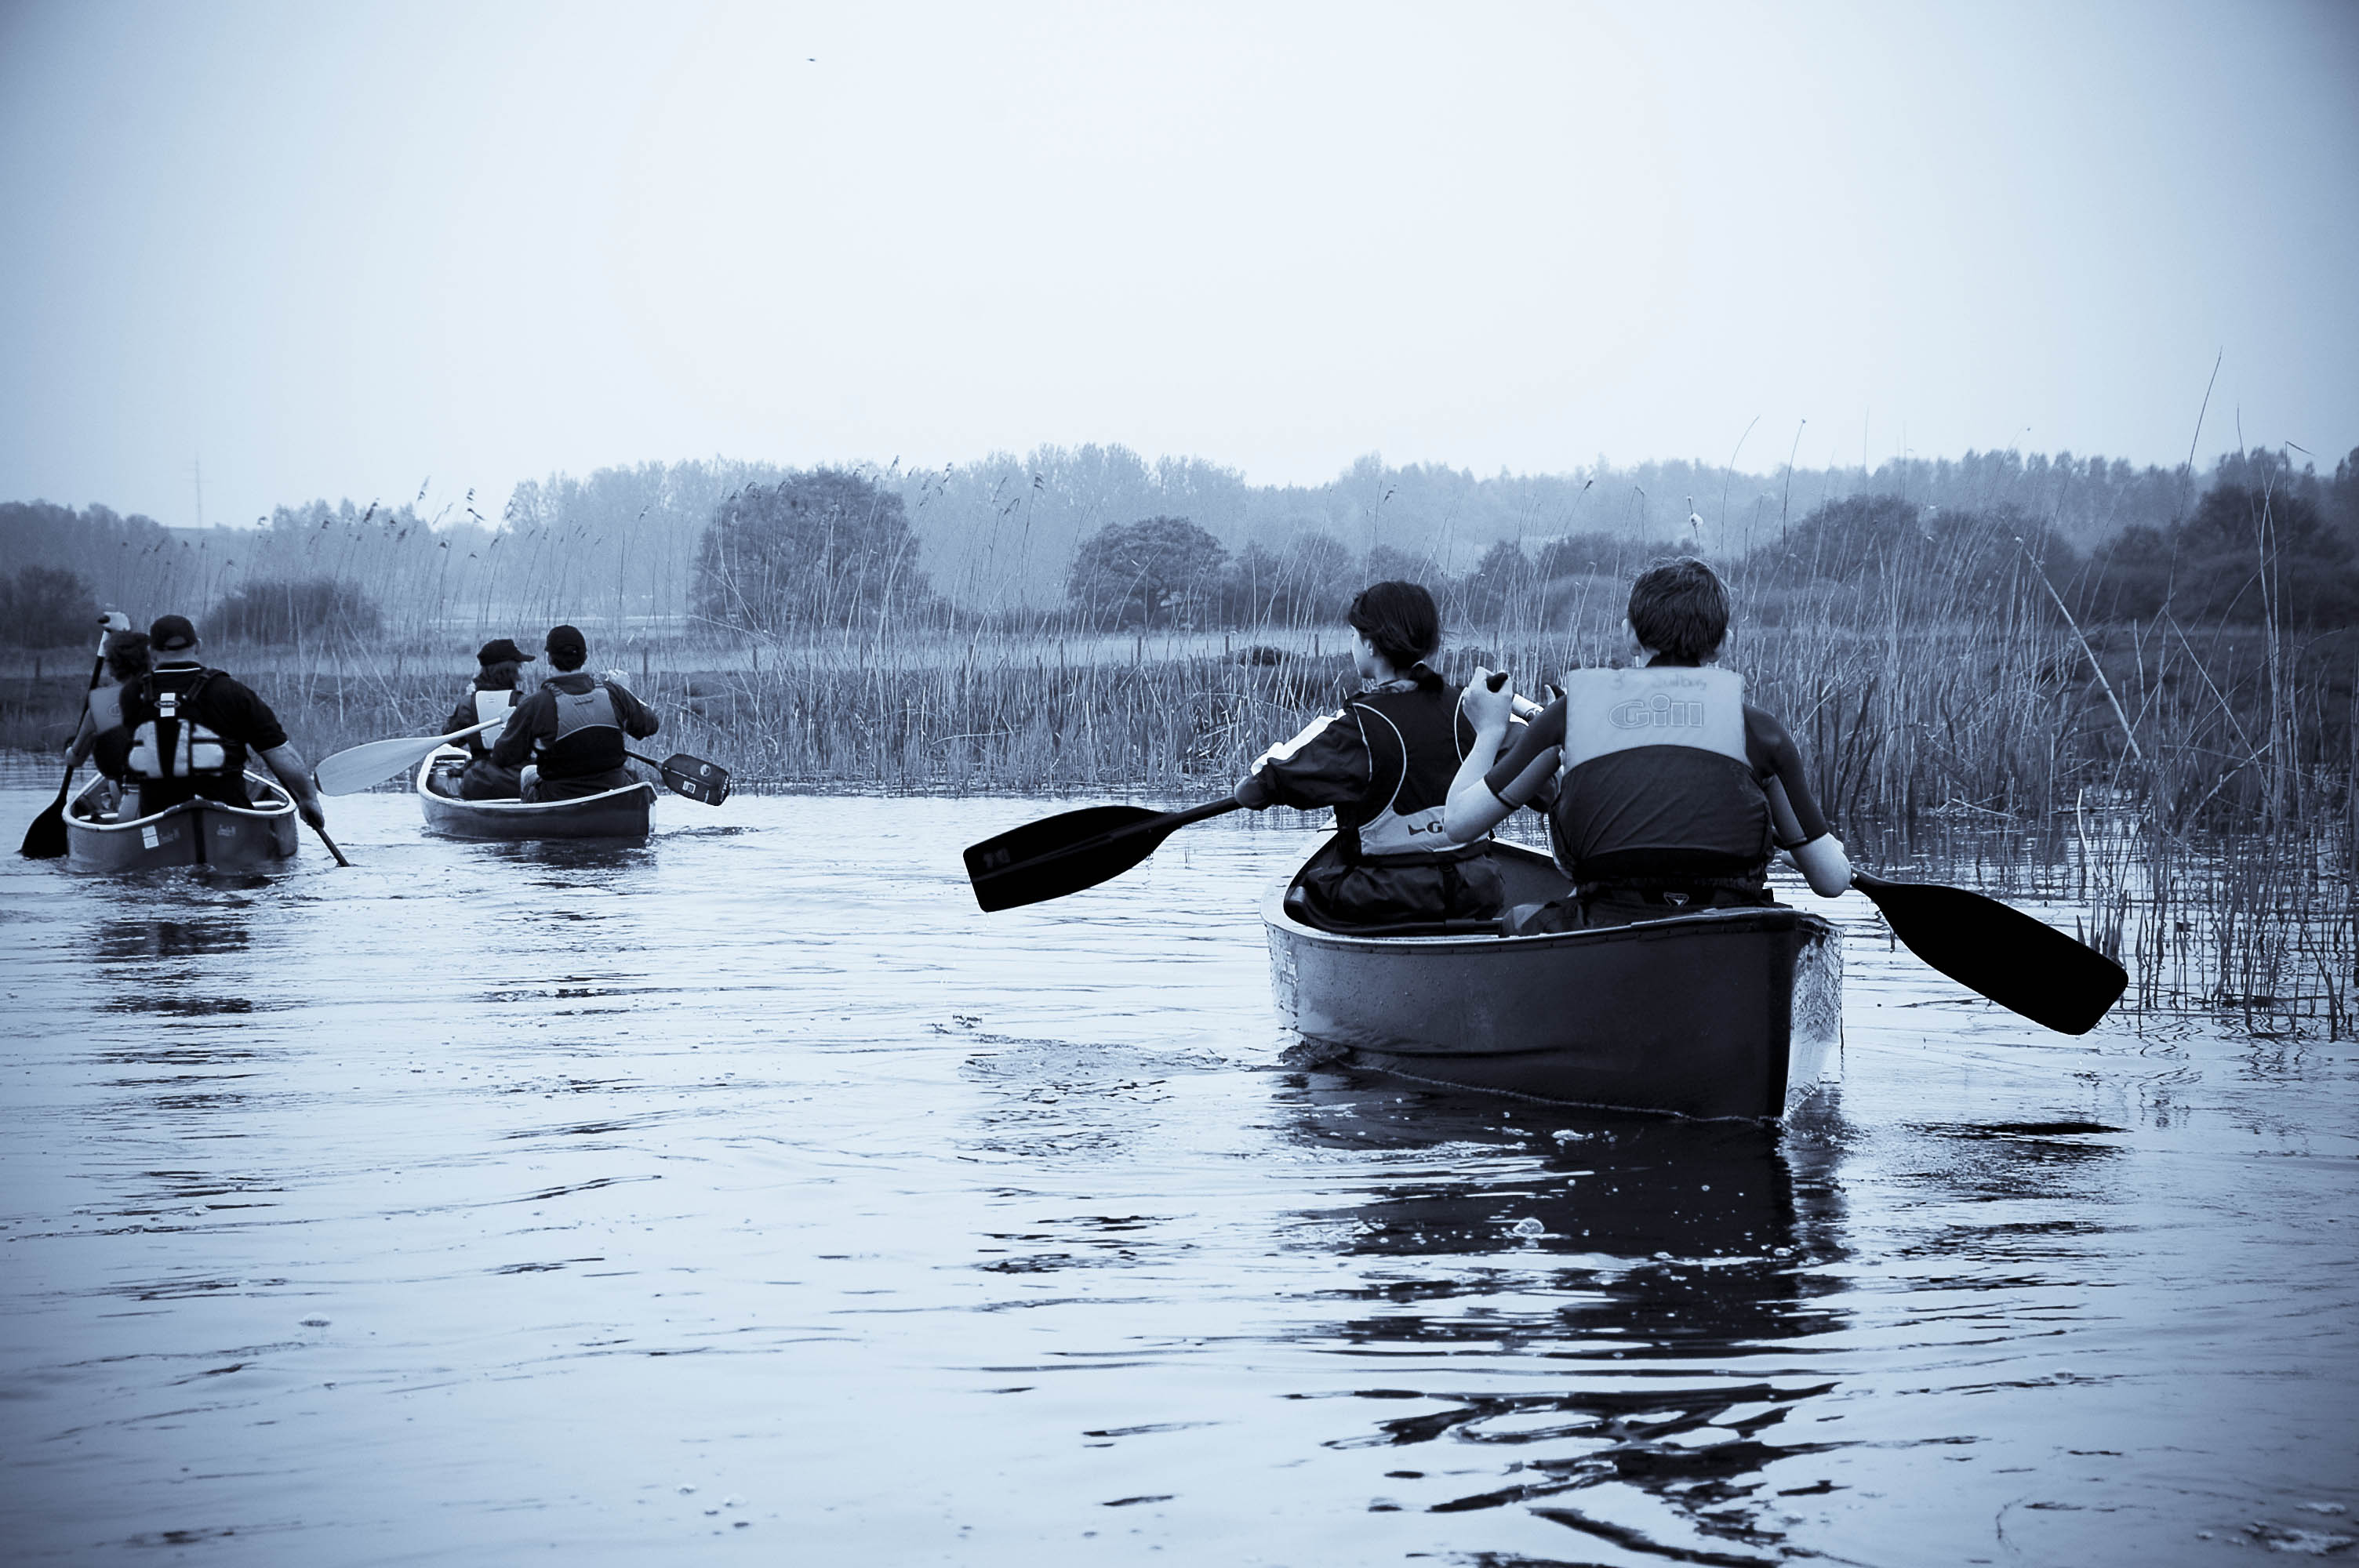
{"x":568,"y":738}
{"x":1672,"y":792}
{"x":492,"y":695}
{"x":1385,"y":763}
{"x":103,"y":737}
{"x":192,"y":728}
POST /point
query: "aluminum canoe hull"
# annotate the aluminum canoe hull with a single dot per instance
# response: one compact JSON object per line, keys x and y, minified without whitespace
{"x":194,"y":833}
{"x":625,"y":813}
{"x":1722,"y":1013}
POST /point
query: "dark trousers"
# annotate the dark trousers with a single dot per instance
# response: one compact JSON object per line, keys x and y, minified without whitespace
{"x":486,"y":780}
{"x":162,"y":794}
{"x":543,"y":787}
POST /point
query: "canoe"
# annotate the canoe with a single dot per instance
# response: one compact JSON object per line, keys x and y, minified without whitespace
{"x":625,"y":813}
{"x":194,"y":833}
{"x":1726,"y":1012}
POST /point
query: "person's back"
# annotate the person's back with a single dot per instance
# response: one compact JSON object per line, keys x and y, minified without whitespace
{"x":492,"y":698}
{"x":103,"y":736}
{"x":193,"y":729}
{"x":1666,"y":792}
{"x":569,"y":738}
{"x":1385,"y":764}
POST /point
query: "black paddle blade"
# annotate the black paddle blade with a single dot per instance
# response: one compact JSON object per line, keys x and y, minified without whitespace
{"x":1061,"y":854}
{"x":2019,"y":963}
{"x":46,"y":839}
{"x":696,"y":778}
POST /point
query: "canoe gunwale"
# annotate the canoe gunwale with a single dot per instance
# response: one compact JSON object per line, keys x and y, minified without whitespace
{"x":123,"y":845}
{"x":513,"y":821}
{"x":1724,"y":1013}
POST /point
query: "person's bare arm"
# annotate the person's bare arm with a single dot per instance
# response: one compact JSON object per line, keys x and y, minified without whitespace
{"x":85,"y":739}
{"x":1822,"y":861}
{"x":295,"y":775}
{"x":1472,"y":810}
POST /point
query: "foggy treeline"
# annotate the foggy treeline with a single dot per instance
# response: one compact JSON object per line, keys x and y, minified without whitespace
{"x":1000,"y":537}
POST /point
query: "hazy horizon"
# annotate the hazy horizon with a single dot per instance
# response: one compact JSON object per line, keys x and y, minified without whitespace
{"x":383,"y":248}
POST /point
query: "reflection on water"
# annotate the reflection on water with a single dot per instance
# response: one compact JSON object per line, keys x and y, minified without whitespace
{"x":746,"y":1190}
{"x":1693,"y":1247}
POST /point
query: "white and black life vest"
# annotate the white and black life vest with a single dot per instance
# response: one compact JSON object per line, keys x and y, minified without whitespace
{"x":1417,"y":737}
{"x":173,"y":745}
{"x":588,"y":738}
{"x":489,"y":707}
{"x":1656,"y":781}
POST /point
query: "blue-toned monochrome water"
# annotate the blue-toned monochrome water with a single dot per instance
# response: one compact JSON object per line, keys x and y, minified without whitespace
{"x":748,"y":1196}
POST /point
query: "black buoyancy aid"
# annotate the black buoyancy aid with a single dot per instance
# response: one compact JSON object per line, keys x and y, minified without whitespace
{"x":1655,"y":782}
{"x":173,"y":745}
{"x":1416,"y":739}
{"x":110,"y":746}
{"x":589,"y":737}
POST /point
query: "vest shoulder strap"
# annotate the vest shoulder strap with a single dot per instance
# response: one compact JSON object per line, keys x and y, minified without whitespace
{"x":1607,"y":711}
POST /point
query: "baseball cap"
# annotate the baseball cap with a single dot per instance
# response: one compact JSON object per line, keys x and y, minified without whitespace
{"x":564,"y":639}
{"x":171,"y":635}
{"x":501,"y":649}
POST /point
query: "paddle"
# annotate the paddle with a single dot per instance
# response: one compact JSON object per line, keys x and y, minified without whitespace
{"x":1076,"y":849}
{"x":2019,"y":962}
{"x":691,"y":777}
{"x":330,"y":843}
{"x":46,"y":839}
{"x":357,"y":767}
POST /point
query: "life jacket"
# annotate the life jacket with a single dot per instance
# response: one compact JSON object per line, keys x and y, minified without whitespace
{"x":1417,"y":737}
{"x":489,"y":705}
{"x":1655,"y":782}
{"x":173,"y":745}
{"x":588,"y":738}
{"x":110,"y":747}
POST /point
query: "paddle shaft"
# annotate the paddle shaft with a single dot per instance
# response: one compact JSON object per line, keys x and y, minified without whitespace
{"x":1065,"y":854}
{"x":45,"y":838}
{"x":1159,"y":827}
{"x":330,"y":843}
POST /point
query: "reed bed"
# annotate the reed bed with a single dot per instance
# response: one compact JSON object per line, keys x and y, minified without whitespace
{"x":2186,"y":791}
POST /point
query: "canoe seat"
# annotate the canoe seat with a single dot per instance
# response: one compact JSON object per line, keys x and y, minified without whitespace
{"x":1297,"y":906}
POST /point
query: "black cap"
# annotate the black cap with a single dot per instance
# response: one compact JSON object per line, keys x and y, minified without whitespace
{"x":564,"y":639}
{"x":171,"y":635}
{"x":499,"y":650}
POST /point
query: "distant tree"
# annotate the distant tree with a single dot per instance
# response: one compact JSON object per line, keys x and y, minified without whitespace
{"x":1500,"y":585}
{"x":293,"y":610}
{"x":2342,"y":496}
{"x":1158,"y":572}
{"x":1319,"y":579}
{"x":2243,"y":552}
{"x":1386,"y":564}
{"x":821,"y":547}
{"x":1593,"y":555}
{"x":47,"y":607}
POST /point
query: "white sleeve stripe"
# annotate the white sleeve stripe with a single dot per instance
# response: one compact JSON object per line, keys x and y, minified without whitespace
{"x":1285,"y":751}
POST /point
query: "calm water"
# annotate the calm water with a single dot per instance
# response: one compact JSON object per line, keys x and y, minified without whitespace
{"x":749,"y":1197}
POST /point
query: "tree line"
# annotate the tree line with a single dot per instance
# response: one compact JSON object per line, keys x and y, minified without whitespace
{"x":1094,"y":536}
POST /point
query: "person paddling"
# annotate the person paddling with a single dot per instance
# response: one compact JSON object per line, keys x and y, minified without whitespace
{"x":499,"y":665}
{"x":1385,"y":763}
{"x":1672,"y":792}
{"x":191,"y":729}
{"x":103,"y":736}
{"x":572,"y":731}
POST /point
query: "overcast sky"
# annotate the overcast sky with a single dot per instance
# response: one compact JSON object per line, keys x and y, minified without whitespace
{"x":355,"y":250}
